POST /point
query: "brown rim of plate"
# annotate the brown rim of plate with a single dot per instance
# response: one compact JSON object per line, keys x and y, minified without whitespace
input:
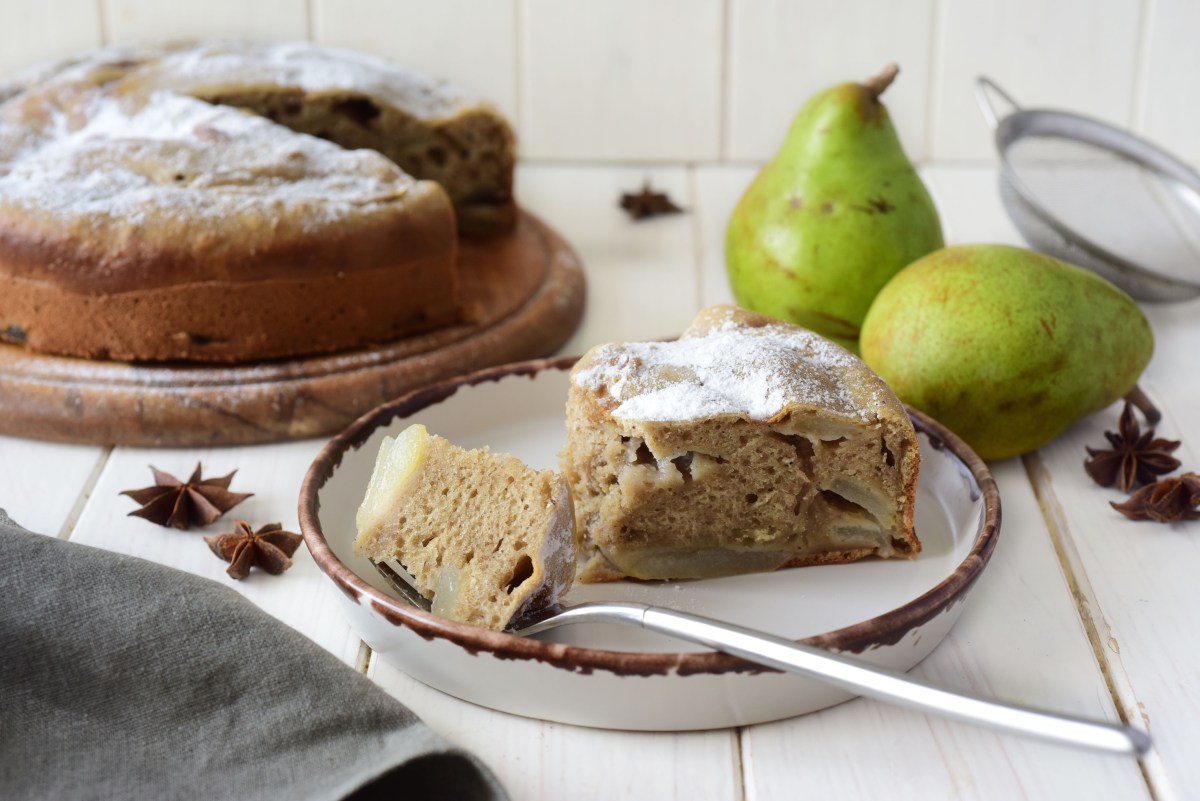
{"x":885,"y":629}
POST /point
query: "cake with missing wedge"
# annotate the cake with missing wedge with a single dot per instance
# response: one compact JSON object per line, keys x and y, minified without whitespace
{"x":234,"y":202}
{"x":746,"y":445}
{"x":483,"y":535}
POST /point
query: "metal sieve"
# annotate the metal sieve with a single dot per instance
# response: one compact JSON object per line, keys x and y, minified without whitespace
{"x":1097,"y":196}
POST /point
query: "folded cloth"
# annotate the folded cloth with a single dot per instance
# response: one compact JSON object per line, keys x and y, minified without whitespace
{"x":125,"y":679}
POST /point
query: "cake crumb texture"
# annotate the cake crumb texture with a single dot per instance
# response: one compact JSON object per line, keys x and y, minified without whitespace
{"x":746,"y":445}
{"x":484,"y":536}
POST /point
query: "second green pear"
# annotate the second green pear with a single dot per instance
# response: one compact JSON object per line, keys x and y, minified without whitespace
{"x":836,"y":213}
{"x":1005,"y":346}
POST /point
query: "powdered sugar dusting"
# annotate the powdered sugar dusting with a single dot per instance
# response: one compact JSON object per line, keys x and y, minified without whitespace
{"x":312,"y":68}
{"x":112,"y":138}
{"x":173,"y":155}
{"x":728,"y":368}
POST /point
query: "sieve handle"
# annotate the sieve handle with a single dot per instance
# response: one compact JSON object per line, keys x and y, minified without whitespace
{"x":984,"y":86}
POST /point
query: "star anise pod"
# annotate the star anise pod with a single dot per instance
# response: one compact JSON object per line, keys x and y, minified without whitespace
{"x":1135,"y":458}
{"x":270,"y":548}
{"x":1167,"y":501}
{"x":183,"y":504}
{"x":648,"y":203}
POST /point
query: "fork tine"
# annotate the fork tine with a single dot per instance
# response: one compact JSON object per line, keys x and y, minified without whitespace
{"x":527,"y":621}
{"x":402,"y":582}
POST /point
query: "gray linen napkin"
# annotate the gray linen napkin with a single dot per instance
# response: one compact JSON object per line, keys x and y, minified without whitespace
{"x":125,"y":679}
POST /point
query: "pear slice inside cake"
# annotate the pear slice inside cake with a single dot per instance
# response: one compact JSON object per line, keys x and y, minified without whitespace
{"x":746,"y":445}
{"x":483,"y":535}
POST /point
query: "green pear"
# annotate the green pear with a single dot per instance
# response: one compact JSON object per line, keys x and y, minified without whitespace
{"x":1005,"y":346}
{"x":836,"y":213}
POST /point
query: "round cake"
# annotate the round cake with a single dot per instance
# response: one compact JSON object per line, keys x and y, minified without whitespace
{"x":230,"y":202}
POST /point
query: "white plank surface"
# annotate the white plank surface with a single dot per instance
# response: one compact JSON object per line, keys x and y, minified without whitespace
{"x":470,"y":42}
{"x":1078,"y":55}
{"x":968,"y":200}
{"x":641,"y":276}
{"x":148,"y":21}
{"x":49,"y":29}
{"x":301,"y":597}
{"x":781,"y":52}
{"x":1171,"y":62}
{"x":1141,"y":586}
{"x":621,"y":79}
{"x":717,"y":192}
{"x":706,"y":80}
{"x":42,"y":483}
{"x":538,"y":760}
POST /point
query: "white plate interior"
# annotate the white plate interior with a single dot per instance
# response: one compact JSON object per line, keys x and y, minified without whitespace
{"x":525,"y":416}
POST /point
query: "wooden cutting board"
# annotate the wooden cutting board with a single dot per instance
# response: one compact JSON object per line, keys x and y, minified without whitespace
{"x":525,"y":292}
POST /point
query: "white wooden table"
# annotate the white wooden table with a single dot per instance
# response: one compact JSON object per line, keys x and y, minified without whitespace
{"x":1080,"y":610}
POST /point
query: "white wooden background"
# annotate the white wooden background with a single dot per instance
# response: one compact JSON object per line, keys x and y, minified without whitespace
{"x":1080,"y":610}
{"x":708,"y":80}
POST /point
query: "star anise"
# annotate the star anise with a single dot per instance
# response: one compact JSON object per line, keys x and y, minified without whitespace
{"x":183,"y":504}
{"x":1135,"y":458}
{"x":1167,"y":501}
{"x":270,"y":548}
{"x":648,"y":203}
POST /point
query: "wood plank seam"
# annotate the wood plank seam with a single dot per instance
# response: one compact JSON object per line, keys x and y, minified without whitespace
{"x":362,"y":662}
{"x":520,"y":65}
{"x":937,"y":24}
{"x":85,"y":494}
{"x":1141,"y":70}
{"x":693,"y":210}
{"x":1105,"y":647}
{"x":309,"y":26}
{"x":740,"y":735}
{"x":725,"y":88}
{"x":102,"y":21}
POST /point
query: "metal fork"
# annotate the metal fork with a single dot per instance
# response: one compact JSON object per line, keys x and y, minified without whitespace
{"x":841,"y":671}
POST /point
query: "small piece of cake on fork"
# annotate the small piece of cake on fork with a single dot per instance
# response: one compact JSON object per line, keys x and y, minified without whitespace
{"x":746,"y":445}
{"x":483,"y":535}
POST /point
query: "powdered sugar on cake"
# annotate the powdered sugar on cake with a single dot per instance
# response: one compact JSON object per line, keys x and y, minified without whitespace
{"x":727,"y":369}
{"x":74,"y":151}
{"x":314,"y":69}
{"x":113,"y":159}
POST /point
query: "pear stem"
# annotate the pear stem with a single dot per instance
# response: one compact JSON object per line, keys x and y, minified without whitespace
{"x":1146,"y":406}
{"x":876,"y":86}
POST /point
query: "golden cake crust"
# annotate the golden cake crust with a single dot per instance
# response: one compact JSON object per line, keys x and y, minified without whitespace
{"x":746,"y":445}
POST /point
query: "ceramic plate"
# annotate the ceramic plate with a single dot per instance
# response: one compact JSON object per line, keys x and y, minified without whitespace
{"x":888,"y":612}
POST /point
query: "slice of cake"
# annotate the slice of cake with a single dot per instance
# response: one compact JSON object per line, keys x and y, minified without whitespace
{"x":746,"y":445}
{"x":483,"y":535}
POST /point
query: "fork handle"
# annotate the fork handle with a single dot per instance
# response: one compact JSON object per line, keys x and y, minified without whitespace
{"x":862,"y":678}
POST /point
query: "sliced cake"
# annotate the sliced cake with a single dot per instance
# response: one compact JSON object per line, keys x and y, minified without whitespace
{"x":238,"y":202}
{"x":483,"y":535}
{"x":746,"y":445}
